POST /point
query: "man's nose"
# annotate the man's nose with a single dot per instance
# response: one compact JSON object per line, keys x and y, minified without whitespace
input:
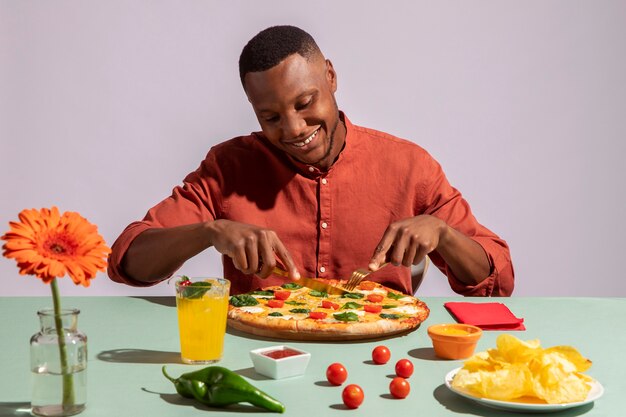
{"x":293,"y":126}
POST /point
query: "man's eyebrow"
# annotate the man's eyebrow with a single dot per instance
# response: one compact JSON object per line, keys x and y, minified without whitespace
{"x":310,"y":92}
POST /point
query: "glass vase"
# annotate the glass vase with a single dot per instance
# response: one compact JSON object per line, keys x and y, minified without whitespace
{"x":58,"y":362}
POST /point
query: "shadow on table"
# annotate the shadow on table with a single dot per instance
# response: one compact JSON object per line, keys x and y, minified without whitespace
{"x":139,"y":356}
{"x":460,"y":405}
{"x":163,"y":301}
{"x":176,"y":399}
{"x":251,"y":373}
{"x":426,"y":353}
{"x":13,"y":409}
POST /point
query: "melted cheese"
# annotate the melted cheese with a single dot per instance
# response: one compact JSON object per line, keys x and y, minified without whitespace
{"x":404,"y":310}
{"x":253,"y":310}
{"x":374,"y":291}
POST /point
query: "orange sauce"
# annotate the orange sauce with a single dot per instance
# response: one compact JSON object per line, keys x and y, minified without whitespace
{"x":453,"y":331}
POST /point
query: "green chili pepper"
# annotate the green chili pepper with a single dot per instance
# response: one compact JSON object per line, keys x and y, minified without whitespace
{"x":218,"y":387}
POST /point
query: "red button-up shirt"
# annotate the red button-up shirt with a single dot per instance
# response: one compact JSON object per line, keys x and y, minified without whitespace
{"x":330,"y":221}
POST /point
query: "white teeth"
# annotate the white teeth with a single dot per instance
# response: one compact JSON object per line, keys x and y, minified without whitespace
{"x":307,"y":140}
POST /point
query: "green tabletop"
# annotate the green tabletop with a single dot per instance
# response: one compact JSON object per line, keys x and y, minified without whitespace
{"x":130,"y":338}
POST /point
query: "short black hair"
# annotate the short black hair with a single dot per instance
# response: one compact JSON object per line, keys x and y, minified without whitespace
{"x":272,"y":45}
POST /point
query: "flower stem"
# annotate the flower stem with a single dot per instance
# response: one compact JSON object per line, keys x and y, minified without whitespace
{"x":68,"y":382}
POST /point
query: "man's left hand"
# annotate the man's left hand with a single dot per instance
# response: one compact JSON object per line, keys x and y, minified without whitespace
{"x":407,"y":242}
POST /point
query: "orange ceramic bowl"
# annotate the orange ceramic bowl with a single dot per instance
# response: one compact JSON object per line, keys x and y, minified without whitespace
{"x":454,"y":341}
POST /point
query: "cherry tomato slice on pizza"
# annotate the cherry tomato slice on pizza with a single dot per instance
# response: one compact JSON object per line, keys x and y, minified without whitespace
{"x":373,"y":308}
{"x":282,"y":295}
{"x":367,"y":285}
{"x":330,"y":304}
{"x":375,"y":298}
{"x":318,"y":315}
{"x":275,"y":303}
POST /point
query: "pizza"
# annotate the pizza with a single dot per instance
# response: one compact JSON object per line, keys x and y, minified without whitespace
{"x":294,"y":312}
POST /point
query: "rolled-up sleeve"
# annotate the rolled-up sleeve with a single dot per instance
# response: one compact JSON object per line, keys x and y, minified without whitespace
{"x":193,"y":202}
{"x":442,"y":200}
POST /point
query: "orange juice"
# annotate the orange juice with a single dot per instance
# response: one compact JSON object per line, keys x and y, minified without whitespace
{"x":202,"y":322}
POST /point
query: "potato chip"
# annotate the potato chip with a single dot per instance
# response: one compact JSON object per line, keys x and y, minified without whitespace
{"x":581,"y":363}
{"x":517,"y":368}
{"x":502,"y":384}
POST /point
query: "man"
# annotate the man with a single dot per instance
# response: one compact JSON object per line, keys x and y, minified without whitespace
{"x":312,"y":192}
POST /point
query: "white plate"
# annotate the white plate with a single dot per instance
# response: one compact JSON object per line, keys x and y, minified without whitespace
{"x":596,"y":392}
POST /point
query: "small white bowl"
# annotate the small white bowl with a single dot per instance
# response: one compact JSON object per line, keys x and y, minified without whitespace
{"x":279,"y":368}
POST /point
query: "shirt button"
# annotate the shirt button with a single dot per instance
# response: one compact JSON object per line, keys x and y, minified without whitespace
{"x":322,"y":269}
{"x":324,"y":225}
{"x":324,"y":181}
{"x":311,"y":169}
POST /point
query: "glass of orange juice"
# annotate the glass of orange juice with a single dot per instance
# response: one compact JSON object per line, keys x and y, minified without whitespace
{"x":202,"y":305}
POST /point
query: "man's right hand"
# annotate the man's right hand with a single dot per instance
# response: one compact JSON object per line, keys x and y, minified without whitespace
{"x":253,"y":249}
{"x":157,"y":253}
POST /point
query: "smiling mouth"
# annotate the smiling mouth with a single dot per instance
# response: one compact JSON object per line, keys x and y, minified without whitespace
{"x":307,"y":140}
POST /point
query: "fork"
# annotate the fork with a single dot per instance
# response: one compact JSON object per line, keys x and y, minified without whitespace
{"x":358,"y":276}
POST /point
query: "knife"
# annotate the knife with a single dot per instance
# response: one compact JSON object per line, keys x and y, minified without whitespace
{"x":312,"y":283}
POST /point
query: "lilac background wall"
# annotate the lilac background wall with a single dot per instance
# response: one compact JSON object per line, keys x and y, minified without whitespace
{"x":104,"y":106}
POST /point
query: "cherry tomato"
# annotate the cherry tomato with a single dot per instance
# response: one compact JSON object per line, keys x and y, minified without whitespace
{"x":318,"y":315}
{"x":352,"y":396}
{"x":399,"y":387}
{"x":381,"y":355}
{"x":184,"y":283}
{"x":375,"y":298}
{"x":373,"y":308}
{"x":367,"y":285}
{"x":282,"y":295}
{"x":329,"y":304}
{"x":275,"y":303}
{"x":404,"y":368}
{"x":336,"y":374}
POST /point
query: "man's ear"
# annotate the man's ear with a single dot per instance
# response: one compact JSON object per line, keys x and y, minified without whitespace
{"x":331,"y":76}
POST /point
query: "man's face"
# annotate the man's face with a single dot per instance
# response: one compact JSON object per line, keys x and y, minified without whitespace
{"x":295,"y":105}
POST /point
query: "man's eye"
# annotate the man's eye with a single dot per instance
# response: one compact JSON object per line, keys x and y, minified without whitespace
{"x":271,"y":119}
{"x":304,"y":105}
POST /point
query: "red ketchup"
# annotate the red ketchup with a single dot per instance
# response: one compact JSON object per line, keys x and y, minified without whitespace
{"x":281,"y":353}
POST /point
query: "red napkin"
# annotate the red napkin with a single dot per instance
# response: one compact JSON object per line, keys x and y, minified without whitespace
{"x":487,"y":316}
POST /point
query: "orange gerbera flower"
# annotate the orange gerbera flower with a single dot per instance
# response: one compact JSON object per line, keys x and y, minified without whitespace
{"x":48,"y":245}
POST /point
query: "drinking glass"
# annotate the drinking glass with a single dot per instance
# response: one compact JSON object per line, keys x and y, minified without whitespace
{"x":202,"y":307}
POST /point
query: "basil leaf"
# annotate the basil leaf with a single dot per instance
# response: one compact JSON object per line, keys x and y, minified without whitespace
{"x":196,"y":290}
{"x":294,"y":303}
{"x":242,"y":300}
{"x":346,"y":316}
{"x":395,"y":295}
{"x":354,"y":295}
{"x":291,"y":286}
{"x":299,"y":310}
{"x":391,"y":316}
{"x":276,"y":314}
{"x":385,"y":306}
{"x":266,"y":293}
{"x":351,"y":305}
{"x":314,"y":293}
